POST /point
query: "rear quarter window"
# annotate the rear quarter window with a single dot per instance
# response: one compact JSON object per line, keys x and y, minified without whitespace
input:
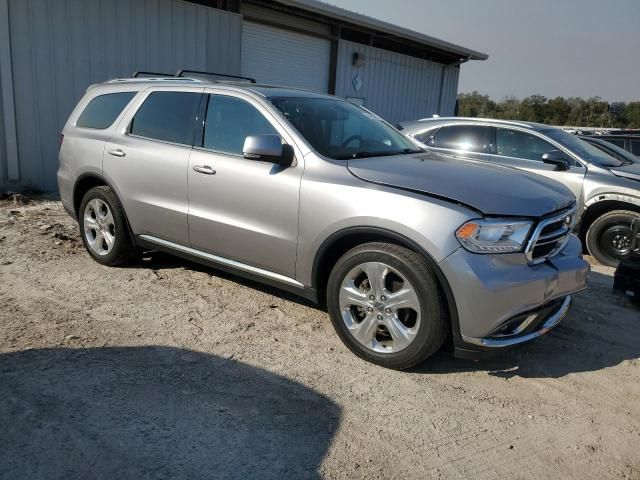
{"x":102,"y":111}
{"x":167,"y":116}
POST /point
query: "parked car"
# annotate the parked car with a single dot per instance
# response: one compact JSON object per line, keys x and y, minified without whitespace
{"x":631,"y":143}
{"x":321,"y":197}
{"x":607,"y":189}
{"x":612,"y":149}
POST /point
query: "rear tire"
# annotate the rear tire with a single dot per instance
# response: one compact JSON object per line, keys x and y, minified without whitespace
{"x":386,"y":305}
{"x":103,"y":227}
{"x":609,"y":236}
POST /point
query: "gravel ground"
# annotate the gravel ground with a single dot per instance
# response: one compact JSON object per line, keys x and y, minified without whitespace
{"x":165,"y":369}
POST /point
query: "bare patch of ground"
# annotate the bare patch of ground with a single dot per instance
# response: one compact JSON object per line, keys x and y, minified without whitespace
{"x":164,"y":369}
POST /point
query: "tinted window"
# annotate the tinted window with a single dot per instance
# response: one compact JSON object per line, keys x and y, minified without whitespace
{"x":103,"y":110}
{"x":426,"y":138}
{"x":229,"y":121}
{"x":341,"y":130}
{"x":511,"y":143}
{"x":635,"y":147}
{"x":616,"y":152}
{"x":470,"y":138}
{"x":167,"y":116}
{"x":618,"y":143}
{"x":576,"y":145}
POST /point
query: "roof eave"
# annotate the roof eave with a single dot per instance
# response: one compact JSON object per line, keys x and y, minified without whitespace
{"x":338,"y":13}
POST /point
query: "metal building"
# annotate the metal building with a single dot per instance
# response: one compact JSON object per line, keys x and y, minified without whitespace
{"x":51,"y":50}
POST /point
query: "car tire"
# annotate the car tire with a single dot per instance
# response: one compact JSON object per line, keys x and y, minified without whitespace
{"x":398,"y":319}
{"x":103,"y":227}
{"x":609,"y":236}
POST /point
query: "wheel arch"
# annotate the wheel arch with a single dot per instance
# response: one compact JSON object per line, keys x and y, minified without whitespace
{"x":86,"y":182}
{"x":342,"y":241}
{"x":601,"y":205}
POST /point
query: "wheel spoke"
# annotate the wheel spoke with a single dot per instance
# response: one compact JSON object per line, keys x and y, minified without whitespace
{"x":364,"y":332}
{"x":400,"y":334}
{"x":403,"y":298}
{"x":376,"y":273}
{"x":96,"y":243}
{"x":108,"y":218}
{"x":351,"y":295}
{"x":109,"y":239}
{"x":95,"y":206}
{"x":89,"y":222}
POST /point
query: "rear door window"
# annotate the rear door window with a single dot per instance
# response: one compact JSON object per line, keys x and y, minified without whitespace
{"x":167,"y":116}
{"x":469,"y":138}
{"x":102,"y":111}
{"x":635,"y":147}
{"x":229,"y":121}
{"x":512,"y":143}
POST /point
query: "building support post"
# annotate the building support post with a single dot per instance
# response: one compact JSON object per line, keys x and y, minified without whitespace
{"x":8,"y":106}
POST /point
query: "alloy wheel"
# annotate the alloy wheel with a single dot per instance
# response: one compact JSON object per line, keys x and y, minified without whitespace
{"x":380,"y":307}
{"x":99,"y":227}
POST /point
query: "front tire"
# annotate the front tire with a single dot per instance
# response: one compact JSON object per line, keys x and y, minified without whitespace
{"x":609,"y":236}
{"x":103,"y":227}
{"x":386,"y":305}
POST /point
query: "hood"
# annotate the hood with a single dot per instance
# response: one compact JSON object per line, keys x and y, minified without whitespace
{"x":627,"y":171}
{"x":490,"y":189}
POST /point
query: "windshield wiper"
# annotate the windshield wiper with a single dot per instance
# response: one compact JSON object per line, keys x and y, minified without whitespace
{"x":405,"y":151}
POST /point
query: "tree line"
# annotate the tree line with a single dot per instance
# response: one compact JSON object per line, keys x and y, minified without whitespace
{"x":573,"y":111}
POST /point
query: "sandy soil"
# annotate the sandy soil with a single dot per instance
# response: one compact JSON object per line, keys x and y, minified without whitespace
{"x":165,"y":369}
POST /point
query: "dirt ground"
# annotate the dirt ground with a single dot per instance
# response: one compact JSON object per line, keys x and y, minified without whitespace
{"x":165,"y":369}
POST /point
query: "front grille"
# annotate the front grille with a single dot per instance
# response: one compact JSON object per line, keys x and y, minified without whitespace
{"x":550,"y":236}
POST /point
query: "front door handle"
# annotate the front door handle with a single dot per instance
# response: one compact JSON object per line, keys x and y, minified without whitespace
{"x":206,"y":169}
{"x":118,"y":152}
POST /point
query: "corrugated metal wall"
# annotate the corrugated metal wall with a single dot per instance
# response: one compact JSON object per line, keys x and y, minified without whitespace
{"x":449,"y":91}
{"x":59,"y":47}
{"x":3,"y":149}
{"x":397,"y":87}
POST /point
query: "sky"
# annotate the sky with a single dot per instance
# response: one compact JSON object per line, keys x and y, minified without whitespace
{"x":580,"y":48}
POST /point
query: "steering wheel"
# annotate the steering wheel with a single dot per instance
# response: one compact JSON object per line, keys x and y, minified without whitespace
{"x":351,"y":139}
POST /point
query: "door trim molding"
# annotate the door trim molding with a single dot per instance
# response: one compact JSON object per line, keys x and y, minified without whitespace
{"x":222,"y":260}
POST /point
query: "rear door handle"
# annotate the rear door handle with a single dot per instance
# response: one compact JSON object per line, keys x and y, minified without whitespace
{"x":206,"y":169}
{"x":118,"y":152}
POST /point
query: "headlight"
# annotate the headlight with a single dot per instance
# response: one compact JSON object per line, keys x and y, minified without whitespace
{"x":494,"y":236}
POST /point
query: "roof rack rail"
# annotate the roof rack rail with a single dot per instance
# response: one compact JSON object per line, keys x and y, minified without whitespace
{"x":180,"y":73}
{"x":150,"y":74}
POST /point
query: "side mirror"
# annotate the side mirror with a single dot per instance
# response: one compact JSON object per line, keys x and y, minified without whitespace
{"x":268,"y":148}
{"x":558,"y":159}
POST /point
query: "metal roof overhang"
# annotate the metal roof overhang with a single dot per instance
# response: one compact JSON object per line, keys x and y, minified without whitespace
{"x":337,"y":13}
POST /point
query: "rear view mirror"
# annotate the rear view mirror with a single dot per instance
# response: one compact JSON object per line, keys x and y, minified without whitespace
{"x":558,"y":159}
{"x":268,"y":148}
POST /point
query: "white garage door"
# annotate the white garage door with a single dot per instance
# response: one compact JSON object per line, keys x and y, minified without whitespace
{"x":280,"y":57}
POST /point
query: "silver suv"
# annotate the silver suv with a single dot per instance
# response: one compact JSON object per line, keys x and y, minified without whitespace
{"x":607,"y":188}
{"x":321,"y":197}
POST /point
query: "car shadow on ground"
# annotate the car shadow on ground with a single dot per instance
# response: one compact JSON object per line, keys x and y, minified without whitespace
{"x":159,"y":261}
{"x":602,"y":330}
{"x":591,"y":338}
{"x":155,"y":412}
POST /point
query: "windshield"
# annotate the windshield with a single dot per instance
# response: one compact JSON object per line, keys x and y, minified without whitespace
{"x":584,"y":150}
{"x":341,"y":130}
{"x":620,"y":153}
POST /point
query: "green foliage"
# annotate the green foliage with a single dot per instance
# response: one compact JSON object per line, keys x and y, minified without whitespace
{"x":574,"y":111}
